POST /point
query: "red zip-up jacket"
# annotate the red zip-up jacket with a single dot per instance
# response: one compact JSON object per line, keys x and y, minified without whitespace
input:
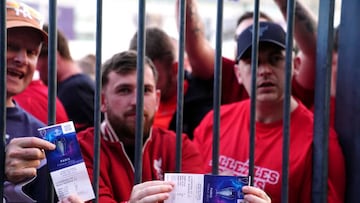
{"x":117,"y":171}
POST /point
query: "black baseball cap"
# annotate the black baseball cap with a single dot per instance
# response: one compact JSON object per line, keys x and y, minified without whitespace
{"x":268,"y":32}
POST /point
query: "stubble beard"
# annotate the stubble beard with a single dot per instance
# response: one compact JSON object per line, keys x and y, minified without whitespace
{"x":126,"y":132}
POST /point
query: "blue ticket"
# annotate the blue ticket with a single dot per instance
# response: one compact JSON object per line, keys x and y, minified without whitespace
{"x":67,"y":152}
{"x":66,"y":165}
{"x":225,"y":189}
{"x":201,"y":188}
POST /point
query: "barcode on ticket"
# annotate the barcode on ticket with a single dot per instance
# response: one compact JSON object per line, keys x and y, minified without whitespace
{"x":68,"y":127}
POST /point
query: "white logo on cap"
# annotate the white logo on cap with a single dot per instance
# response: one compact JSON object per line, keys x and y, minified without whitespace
{"x":24,"y":11}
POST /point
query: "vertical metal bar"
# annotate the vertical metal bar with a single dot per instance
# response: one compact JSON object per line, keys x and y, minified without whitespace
{"x":52,"y":44}
{"x":217,"y":88}
{"x":347,"y":109}
{"x":180,"y":85}
{"x":97,"y":113}
{"x":287,"y":98}
{"x":254,"y":66}
{"x":322,"y":101}
{"x":140,"y":92}
{"x":3,"y":42}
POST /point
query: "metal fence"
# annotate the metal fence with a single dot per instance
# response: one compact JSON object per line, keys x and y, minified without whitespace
{"x":348,"y":98}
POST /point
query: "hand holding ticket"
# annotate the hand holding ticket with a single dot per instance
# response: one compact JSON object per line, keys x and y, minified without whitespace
{"x":65,"y":163}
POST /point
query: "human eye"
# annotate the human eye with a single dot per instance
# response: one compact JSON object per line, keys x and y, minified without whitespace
{"x":32,"y":52}
{"x":123,"y":90}
{"x":275,"y":59}
{"x":12,"y":47}
{"x":148,"y":89}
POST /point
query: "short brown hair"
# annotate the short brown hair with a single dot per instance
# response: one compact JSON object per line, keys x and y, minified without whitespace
{"x":62,"y":45}
{"x":159,"y":45}
{"x":124,"y":63}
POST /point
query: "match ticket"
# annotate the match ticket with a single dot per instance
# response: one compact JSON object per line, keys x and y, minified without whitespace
{"x":200,"y":188}
{"x":66,"y":165}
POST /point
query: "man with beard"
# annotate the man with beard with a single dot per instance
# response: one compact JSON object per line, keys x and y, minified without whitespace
{"x":118,"y":103}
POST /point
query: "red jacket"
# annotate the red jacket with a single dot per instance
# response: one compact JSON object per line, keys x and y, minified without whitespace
{"x":34,"y":99}
{"x":117,"y":171}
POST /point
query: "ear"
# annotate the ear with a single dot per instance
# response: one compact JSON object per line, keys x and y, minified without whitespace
{"x":158,"y":97}
{"x":237,"y":73}
{"x":103,"y":102}
{"x":297,"y":64}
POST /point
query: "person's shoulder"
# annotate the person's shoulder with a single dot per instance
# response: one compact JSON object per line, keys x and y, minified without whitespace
{"x":21,"y":115}
{"x":167,"y":137}
{"x":161,"y":137}
{"x":20,"y":123}
{"x":229,"y":110}
{"x":79,"y":79}
{"x":82,"y":79}
{"x":303,"y":113}
{"x":85,"y":78}
{"x":80,"y":85}
{"x":303,"y":119}
{"x":38,"y":84}
{"x":243,"y":104}
{"x":228,"y":62}
{"x":158,"y":131}
{"x":34,"y":89}
{"x":86,"y":135}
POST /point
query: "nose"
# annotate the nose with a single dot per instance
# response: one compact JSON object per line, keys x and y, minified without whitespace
{"x":21,"y":57}
{"x":133,"y":98}
{"x":264,"y":69}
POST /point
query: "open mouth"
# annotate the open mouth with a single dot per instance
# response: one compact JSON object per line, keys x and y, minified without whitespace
{"x":265,"y":84}
{"x":15,"y":73}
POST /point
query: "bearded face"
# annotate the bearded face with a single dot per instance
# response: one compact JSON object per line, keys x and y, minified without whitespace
{"x":119,"y":103}
{"x":126,"y":129}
